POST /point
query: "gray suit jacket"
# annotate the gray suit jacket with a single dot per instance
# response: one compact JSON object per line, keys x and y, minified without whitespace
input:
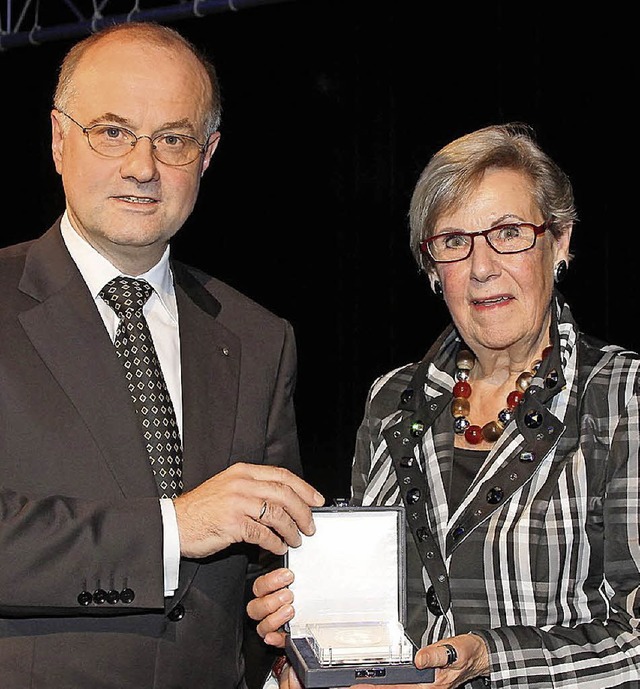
{"x":79,"y":512}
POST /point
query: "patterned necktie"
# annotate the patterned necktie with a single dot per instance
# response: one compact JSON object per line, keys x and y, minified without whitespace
{"x":134,"y":347}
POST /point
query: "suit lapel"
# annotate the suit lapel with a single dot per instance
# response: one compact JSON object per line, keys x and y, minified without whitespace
{"x":66,"y":330}
{"x":210,"y":361}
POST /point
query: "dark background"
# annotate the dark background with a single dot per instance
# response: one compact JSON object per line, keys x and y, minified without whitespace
{"x":331,"y":110}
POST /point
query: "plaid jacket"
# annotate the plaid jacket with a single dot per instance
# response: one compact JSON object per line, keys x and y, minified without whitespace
{"x":542,"y":556}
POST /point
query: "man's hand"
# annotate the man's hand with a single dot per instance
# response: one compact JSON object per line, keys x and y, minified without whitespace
{"x":265,"y":505}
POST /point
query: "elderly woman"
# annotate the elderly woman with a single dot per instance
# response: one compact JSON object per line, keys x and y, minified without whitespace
{"x":514,"y":444}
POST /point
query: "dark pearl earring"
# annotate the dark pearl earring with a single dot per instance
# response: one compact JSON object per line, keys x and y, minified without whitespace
{"x":437,"y":289}
{"x":560,"y":271}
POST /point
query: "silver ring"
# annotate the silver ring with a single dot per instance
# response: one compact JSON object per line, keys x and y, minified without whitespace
{"x":263,"y":510}
{"x":452,"y":654}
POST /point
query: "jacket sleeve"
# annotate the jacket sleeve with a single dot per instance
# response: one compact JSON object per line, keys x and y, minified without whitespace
{"x":61,"y":554}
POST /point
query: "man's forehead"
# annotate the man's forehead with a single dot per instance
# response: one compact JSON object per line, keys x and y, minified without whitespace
{"x":137,"y":65}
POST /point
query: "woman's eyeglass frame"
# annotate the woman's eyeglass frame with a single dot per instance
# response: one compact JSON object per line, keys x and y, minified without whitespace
{"x":426,"y":244}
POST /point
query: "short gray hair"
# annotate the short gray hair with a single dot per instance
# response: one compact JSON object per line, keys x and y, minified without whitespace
{"x":457,"y":168}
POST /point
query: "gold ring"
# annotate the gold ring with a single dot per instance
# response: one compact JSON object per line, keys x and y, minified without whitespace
{"x":263,"y":509}
{"x":452,"y":654}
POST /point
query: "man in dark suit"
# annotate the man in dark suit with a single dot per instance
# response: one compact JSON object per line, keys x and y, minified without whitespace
{"x":120,"y":568}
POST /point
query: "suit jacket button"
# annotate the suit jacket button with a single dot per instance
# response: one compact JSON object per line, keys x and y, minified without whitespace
{"x":99,"y":596}
{"x":113,"y":597}
{"x":127,"y":595}
{"x":85,"y":598}
{"x":177,"y":613}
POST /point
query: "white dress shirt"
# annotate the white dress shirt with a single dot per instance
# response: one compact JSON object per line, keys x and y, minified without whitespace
{"x":161,"y":312}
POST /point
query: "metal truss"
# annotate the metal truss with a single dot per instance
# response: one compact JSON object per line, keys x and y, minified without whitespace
{"x":32,"y":22}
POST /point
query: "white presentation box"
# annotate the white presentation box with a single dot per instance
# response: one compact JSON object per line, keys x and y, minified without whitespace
{"x":350,"y":601}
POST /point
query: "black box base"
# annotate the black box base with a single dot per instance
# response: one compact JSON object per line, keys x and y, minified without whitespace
{"x":313,"y":675}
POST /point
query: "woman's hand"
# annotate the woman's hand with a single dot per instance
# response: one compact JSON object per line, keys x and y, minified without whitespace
{"x":471,"y":661}
{"x":457,"y":660}
{"x":272,"y":607}
{"x":289,"y":679}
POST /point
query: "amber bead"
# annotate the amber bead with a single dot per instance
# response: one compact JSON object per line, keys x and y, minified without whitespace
{"x":465,"y":360}
{"x":524,"y":380}
{"x":492,"y":431}
{"x":460,"y":407}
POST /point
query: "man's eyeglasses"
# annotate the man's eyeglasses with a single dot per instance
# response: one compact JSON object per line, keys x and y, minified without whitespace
{"x":113,"y":141}
{"x":508,"y":238}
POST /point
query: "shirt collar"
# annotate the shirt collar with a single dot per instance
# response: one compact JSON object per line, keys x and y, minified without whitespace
{"x":97,"y":270}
